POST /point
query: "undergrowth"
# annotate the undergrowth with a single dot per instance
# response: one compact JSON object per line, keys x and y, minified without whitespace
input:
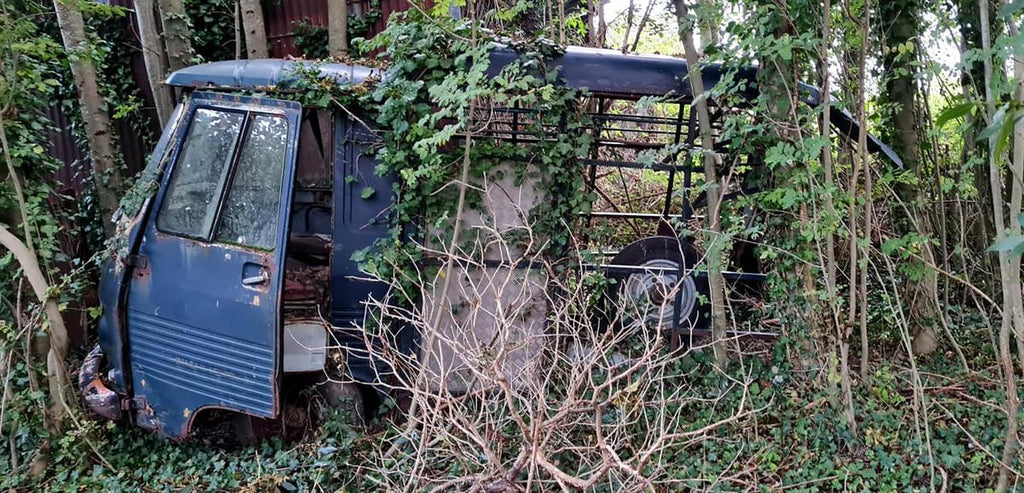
{"x":797,"y":438}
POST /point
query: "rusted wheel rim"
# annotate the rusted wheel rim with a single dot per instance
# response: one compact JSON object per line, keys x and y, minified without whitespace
{"x":652,"y":293}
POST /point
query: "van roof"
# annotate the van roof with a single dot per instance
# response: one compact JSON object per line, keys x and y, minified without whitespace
{"x":600,"y":71}
{"x":256,"y":74}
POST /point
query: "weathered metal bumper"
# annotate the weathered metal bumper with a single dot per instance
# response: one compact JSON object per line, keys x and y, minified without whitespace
{"x":98,"y":398}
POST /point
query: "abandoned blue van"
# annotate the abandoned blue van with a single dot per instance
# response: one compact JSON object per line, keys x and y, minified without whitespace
{"x":231,"y":267}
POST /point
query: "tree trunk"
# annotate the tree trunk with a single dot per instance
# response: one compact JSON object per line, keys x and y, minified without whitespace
{"x":337,"y":27}
{"x":825,"y":129}
{"x":153,"y":56}
{"x":1016,"y":198}
{"x":629,"y":26}
{"x":177,"y":38}
{"x":238,"y":31}
{"x":593,"y":29}
{"x":972,"y":82}
{"x":96,"y":121}
{"x":255,"y":33}
{"x":859,"y":164}
{"x":716,"y":283}
{"x":58,"y":335}
{"x":640,"y":27}
{"x":900,"y":26}
{"x":1011,"y":296}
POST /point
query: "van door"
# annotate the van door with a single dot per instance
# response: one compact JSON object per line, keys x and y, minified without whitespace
{"x":203,"y":307}
{"x":362,"y":202}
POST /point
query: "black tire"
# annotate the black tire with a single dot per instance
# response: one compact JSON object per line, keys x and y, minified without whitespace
{"x":660,"y":252}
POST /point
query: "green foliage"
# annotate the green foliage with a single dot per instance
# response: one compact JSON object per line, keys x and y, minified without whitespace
{"x":310,"y":39}
{"x":359,"y":26}
{"x":31,"y":68}
{"x":955,"y":112}
{"x":212,"y":29}
{"x":423,"y":107}
{"x":106,"y":457}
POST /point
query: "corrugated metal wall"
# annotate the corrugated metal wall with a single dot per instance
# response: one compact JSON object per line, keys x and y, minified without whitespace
{"x":280,"y":18}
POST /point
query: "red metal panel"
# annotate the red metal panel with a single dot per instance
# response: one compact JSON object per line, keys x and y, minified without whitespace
{"x":280,"y":19}
{"x":63,"y":147}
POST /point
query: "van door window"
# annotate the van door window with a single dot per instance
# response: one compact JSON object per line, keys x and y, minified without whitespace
{"x":192,"y":195}
{"x":250,"y":214}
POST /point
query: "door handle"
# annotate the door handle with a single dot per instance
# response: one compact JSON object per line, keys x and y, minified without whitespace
{"x":254,"y":280}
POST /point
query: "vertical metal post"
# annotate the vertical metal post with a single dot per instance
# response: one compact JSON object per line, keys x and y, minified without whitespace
{"x":672,"y":172}
{"x":592,"y":179}
{"x":687,"y":169}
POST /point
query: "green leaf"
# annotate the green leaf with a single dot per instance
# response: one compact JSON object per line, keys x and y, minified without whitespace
{"x":993,"y":128}
{"x":1003,"y":141}
{"x":955,"y":111}
{"x":1011,"y":8}
{"x":1007,"y":244}
{"x":367,"y":192}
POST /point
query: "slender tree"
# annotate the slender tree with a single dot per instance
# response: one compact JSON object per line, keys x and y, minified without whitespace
{"x":861,"y":164}
{"x":255,"y":32}
{"x":153,"y":56}
{"x":176,"y":34}
{"x":716,"y":282}
{"x":899,"y":25}
{"x":106,"y":173}
{"x":337,"y":27}
{"x":825,"y":129}
{"x":238,"y":30}
{"x":1010,"y":293}
{"x":57,"y":335}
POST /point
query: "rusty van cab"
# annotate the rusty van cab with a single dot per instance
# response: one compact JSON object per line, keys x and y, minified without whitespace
{"x":260,"y":204}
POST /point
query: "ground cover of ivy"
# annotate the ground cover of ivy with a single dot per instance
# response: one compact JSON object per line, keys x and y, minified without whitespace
{"x":797,"y":438}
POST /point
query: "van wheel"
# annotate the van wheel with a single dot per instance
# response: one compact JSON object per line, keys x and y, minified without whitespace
{"x":347,"y":398}
{"x":650,"y":297}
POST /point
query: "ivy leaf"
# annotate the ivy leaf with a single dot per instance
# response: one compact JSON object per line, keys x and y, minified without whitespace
{"x":955,"y":111}
{"x":786,"y":51}
{"x":367,"y":192}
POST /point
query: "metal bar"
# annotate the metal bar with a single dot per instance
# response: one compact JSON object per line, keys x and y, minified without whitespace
{"x":632,"y":165}
{"x":624,"y":117}
{"x":592,"y":182}
{"x":688,"y":170}
{"x":730,"y":333}
{"x":515,"y":126}
{"x":633,"y":269}
{"x":672,"y":172}
{"x":631,"y":215}
{"x":639,"y":131}
{"x":735,"y":276}
{"x":652,"y":216}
